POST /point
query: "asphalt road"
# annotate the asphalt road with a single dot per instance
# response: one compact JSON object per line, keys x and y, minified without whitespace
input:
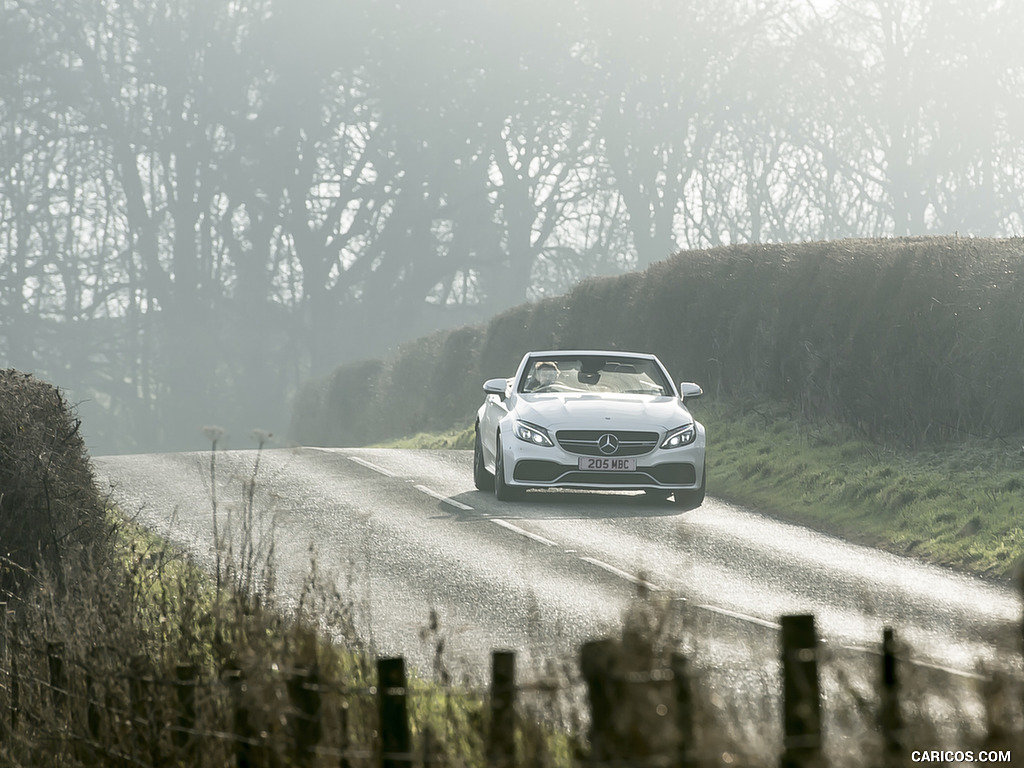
{"x":404,"y":532}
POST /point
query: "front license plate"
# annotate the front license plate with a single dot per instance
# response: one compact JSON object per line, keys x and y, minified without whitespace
{"x":607,"y":464}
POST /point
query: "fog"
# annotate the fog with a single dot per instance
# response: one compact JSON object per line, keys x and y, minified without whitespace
{"x":205,"y":204}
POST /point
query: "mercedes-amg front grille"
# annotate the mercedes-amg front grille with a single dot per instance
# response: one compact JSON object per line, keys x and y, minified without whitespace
{"x":604,"y":442}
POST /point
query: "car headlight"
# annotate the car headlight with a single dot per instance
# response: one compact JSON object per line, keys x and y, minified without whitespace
{"x":677,"y":438}
{"x":531,"y":433}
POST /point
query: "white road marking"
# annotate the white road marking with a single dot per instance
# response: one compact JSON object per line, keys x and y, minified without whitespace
{"x":947,"y":670}
{"x":622,"y":574}
{"x":642,"y":582}
{"x":523,"y":532}
{"x":442,"y":498}
{"x":371,"y":465}
{"x":740,"y":616}
{"x":919,"y":663}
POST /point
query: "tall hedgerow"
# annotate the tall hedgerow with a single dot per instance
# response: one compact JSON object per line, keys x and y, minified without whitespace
{"x":913,"y":339}
{"x":50,"y":511}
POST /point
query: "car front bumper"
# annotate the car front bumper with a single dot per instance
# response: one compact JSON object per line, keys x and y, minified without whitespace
{"x":532,"y":466}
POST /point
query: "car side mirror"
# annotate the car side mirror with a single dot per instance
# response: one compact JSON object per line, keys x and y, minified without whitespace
{"x":689,"y":390}
{"x":496,"y":387}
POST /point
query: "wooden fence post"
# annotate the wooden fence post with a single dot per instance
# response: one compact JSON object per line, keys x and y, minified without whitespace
{"x":801,"y":693}
{"x":1019,"y":580}
{"x":3,"y":635}
{"x":142,"y":692}
{"x":15,"y":702}
{"x":891,"y":719}
{"x":307,"y":728}
{"x":241,"y":725}
{"x":501,"y":741}
{"x":93,"y":719}
{"x":1020,"y":591}
{"x":185,"y":721}
{"x":680,"y":667}
{"x":343,"y":727}
{"x":394,"y":717}
{"x":97,"y":671}
{"x":5,"y":671}
{"x":596,"y":660}
{"x":433,"y":749}
{"x":58,"y":678}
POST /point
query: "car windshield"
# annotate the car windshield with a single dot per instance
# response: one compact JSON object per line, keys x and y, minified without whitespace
{"x":593,"y":373}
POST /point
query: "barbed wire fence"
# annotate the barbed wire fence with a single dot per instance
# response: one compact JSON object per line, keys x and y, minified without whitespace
{"x":101,"y":708}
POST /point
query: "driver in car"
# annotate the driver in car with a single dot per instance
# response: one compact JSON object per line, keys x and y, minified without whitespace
{"x":545,"y":373}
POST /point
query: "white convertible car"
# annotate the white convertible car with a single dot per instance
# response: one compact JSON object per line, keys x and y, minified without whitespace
{"x":590,"y":419}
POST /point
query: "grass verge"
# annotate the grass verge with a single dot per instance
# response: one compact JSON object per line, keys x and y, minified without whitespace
{"x":957,"y":504}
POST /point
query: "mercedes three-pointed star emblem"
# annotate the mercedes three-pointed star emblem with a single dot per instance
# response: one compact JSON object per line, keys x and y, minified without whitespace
{"x":608,"y":444}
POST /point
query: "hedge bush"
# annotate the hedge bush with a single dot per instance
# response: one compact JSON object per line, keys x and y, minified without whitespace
{"x":50,"y":511}
{"x":914,"y":339}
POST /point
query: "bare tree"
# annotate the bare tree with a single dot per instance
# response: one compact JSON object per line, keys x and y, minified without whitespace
{"x":204,"y":203}
{"x":671,"y":82}
{"x":917,"y":118}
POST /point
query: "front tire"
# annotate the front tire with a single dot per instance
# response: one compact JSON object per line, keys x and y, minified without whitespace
{"x":655,"y":495}
{"x":688,"y":500}
{"x":482,"y":479}
{"x":502,"y":491}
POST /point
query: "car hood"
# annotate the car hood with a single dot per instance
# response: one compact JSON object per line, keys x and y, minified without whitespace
{"x":593,"y":411}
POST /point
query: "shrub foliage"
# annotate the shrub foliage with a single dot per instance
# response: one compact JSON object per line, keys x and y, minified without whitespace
{"x":50,"y":511}
{"x":916,"y":339}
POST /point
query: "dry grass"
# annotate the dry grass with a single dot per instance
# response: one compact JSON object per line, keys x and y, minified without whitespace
{"x":130,"y":624}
